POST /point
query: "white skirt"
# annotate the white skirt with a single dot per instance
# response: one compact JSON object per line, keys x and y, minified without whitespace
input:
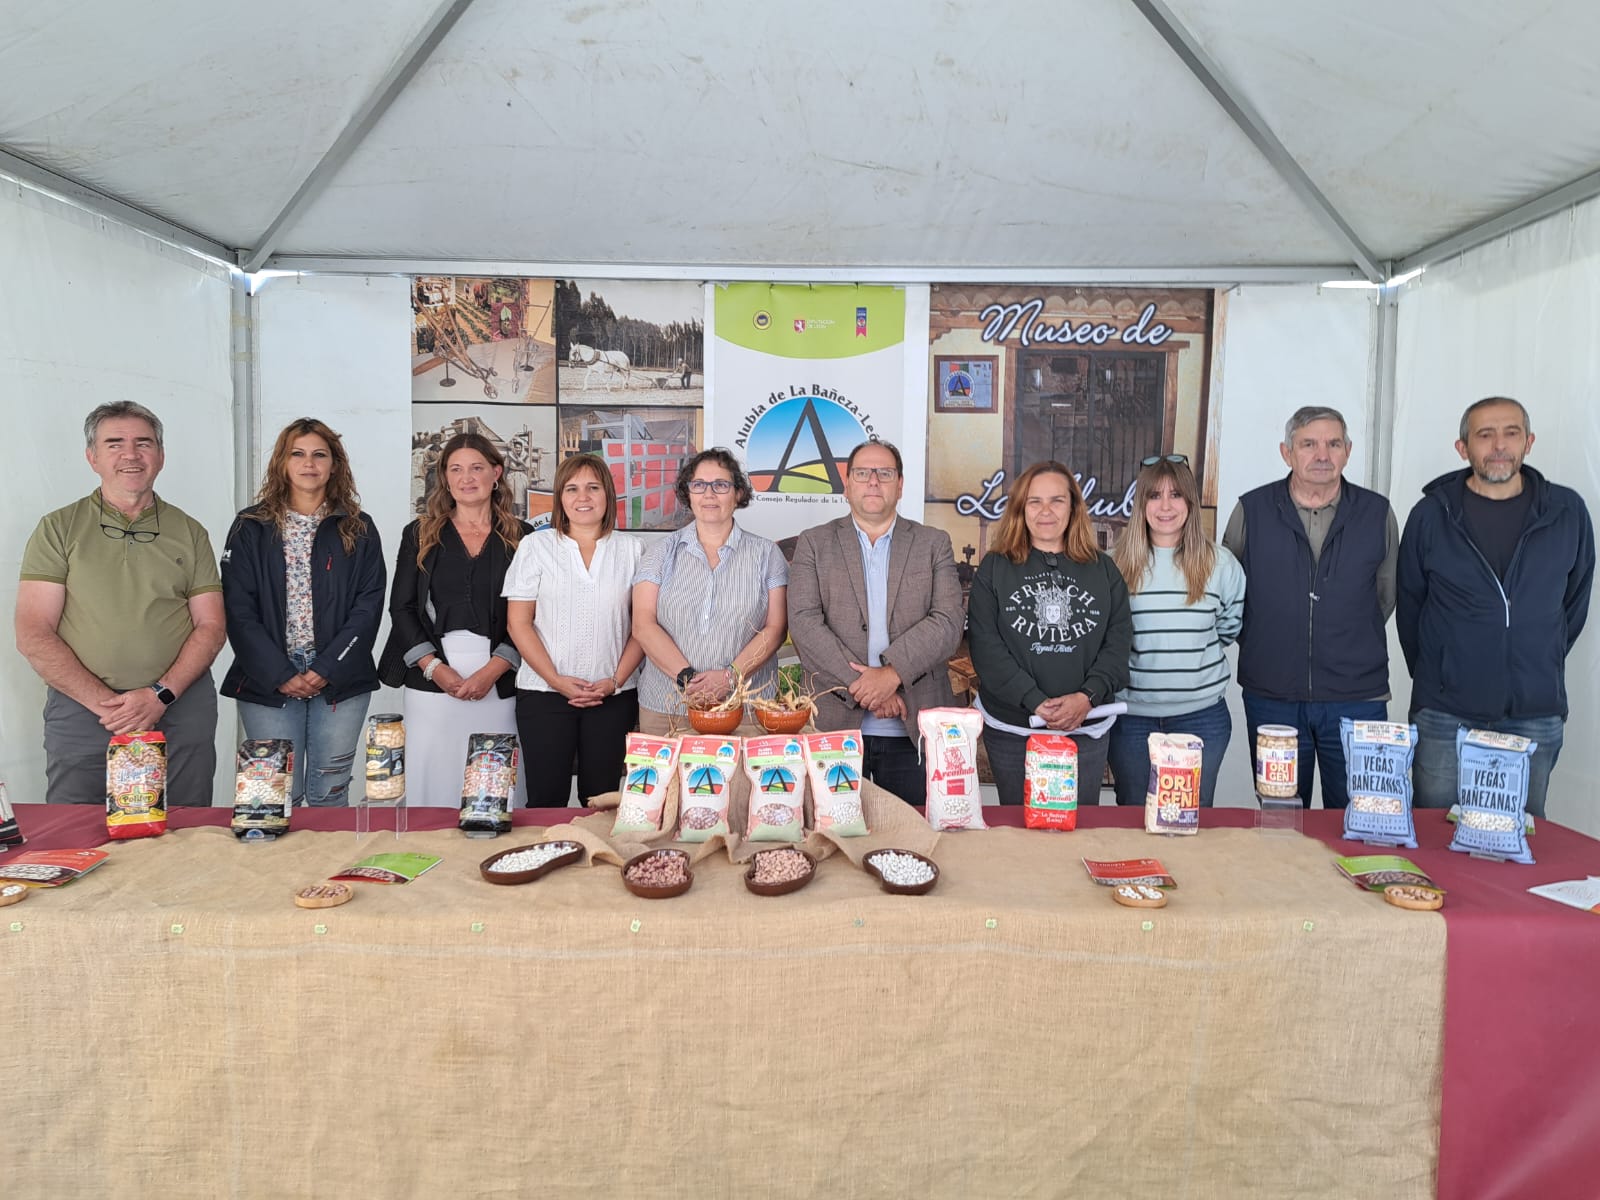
{"x":438,"y":726}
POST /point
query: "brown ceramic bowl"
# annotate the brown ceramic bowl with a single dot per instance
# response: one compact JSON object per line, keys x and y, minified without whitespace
{"x":573,"y":853}
{"x":657,"y":893}
{"x":780,"y":889}
{"x":902,"y":889}
{"x":716,"y":722}
{"x":782,"y":722}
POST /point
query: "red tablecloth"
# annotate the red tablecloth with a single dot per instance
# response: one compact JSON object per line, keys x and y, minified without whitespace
{"x":1520,"y":1111}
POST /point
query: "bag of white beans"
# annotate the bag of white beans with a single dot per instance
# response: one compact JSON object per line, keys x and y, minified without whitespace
{"x":1172,"y":799}
{"x":833,"y":763}
{"x":777,"y":769}
{"x":1492,"y":790}
{"x":706,"y":766}
{"x":261,"y":797}
{"x":1377,"y":757}
{"x":647,"y":777}
{"x":950,"y":761}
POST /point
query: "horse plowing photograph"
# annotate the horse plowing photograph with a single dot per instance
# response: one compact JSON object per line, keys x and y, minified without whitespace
{"x":623,"y":342}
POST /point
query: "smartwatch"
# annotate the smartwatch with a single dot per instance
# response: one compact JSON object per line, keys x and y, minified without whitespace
{"x":685,"y":675}
{"x":163,"y":692}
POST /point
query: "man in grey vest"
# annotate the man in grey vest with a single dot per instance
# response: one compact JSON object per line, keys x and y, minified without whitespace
{"x":1319,"y":560}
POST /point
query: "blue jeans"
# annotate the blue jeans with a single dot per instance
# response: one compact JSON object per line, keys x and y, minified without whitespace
{"x":1130,"y":749}
{"x":1008,"y":759}
{"x":1318,"y":723}
{"x":324,"y":737}
{"x":1433,"y":771}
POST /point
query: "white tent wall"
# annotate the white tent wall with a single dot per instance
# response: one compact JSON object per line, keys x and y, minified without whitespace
{"x":1283,"y":348}
{"x":1515,"y":318}
{"x":96,"y":312}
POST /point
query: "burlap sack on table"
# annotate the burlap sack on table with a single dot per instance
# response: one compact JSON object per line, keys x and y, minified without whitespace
{"x":891,"y":824}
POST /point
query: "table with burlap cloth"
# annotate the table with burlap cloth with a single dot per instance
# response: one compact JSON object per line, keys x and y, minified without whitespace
{"x":173,"y":1026}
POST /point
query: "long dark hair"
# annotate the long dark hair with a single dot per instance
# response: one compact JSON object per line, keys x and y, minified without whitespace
{"x":272,"y":501}
{"x":441,"y":504}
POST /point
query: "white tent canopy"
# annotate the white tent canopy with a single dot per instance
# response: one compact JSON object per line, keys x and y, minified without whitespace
{"x":958,"y":137}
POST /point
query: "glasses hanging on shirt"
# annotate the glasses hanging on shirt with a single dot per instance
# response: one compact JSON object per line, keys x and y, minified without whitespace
{"x":121,"y":532}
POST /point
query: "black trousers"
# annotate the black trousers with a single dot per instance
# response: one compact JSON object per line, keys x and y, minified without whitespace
{"x":554,"y":733}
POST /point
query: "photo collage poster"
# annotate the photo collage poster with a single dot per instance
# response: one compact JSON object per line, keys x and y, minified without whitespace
{"x":545,"y":369}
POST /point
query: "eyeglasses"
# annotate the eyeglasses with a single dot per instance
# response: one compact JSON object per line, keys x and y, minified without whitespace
{"x":1181,"y":459}
{"x":868,"y":474}
{"x":720,"y":486}
{"x":119,"y":532}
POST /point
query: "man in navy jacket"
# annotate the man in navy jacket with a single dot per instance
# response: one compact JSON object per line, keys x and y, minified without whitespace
{"x":1319,"y":558}
{"x":1495,"y":569}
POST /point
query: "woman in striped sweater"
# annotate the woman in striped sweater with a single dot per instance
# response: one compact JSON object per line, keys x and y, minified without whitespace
{"x":1187,"y":596}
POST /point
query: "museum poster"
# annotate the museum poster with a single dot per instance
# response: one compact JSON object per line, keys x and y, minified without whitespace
{"x":1097,"y":378}
{"x":801,"y":375}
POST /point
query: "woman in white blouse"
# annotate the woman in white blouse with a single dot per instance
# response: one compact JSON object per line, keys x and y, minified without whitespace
{"x":568,"y":611}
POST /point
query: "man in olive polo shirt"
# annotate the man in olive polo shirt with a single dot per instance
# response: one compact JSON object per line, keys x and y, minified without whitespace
{"x":120,"y":612}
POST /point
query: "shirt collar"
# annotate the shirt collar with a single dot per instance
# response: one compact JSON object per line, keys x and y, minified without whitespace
{"x":866,"y":540}
{"x":686,"y":535}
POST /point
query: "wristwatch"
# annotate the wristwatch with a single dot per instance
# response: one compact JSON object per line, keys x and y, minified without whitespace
{"x":163,"y":692}
{"x":685,"y":675}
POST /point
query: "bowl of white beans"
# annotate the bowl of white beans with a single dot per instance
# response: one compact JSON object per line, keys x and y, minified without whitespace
{"x":524,"y":864}
{"x":903,"y":872}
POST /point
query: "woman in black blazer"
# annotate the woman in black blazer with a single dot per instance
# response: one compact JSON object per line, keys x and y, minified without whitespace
{"x":448,"y":645}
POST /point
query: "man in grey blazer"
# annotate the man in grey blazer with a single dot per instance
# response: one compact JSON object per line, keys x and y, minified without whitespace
{"x":875,"y":610}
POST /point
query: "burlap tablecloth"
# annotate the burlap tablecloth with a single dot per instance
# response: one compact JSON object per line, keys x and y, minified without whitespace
{"x":173,"y":1026}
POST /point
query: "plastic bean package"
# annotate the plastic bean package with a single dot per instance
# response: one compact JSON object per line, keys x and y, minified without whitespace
{"x":705,"y":785}
{"x":950,"y":759}
{"x":136,"y":785}
{"x":487,"y":783}
{"x":647,"y":781}
{"x":261,"y":793}
{"x":777,"y":769}
{"x":1172,"y":801}
{"x":1492,"y":787}
{"x":1050,"y":782}
{"x":1377,"y":757}
{"x":833,"y":764}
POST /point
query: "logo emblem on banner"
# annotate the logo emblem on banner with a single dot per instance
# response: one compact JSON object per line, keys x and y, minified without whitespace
{"x":762,"y":319}
{"x":799,"y":324}
{"x":861,"y":322}
{"x":801,"y":445}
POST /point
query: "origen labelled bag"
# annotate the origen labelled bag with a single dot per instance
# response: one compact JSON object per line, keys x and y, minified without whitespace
{"x":262,"y":793}
{"x":1377,"y":757}
{"x":136,"y":785}
{"x":833,"y":764}
{"x":1050,"y":782}
{"x":705,"y":785}
{"x":777,"y":769}
{"x":1492,"y":793}
{"x":1172,"y":799}
{"x":488,"y":782}
{"x":950,"y":760}
{"x":647,"y":780}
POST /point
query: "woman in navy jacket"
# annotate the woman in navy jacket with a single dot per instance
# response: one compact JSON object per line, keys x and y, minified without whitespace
{"x":303,"y":584}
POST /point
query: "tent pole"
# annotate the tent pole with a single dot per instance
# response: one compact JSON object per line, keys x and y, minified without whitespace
{"x":388,"y":90}
{"x":1205,"y":69}
{"x":1381,"y":402}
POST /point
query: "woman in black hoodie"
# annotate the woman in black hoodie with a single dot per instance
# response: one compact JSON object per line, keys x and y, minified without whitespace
{"x":1049,"y":627}
{"x":303,"y":585}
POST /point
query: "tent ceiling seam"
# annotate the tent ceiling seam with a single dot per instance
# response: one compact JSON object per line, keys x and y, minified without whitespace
{"x":1233,"y":102}
{"x":1567,"y":195}
{"x":111,"y":207}
{"x":409,"y":62}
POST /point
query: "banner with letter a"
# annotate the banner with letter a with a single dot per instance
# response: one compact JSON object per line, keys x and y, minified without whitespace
{"x":801,"y":374}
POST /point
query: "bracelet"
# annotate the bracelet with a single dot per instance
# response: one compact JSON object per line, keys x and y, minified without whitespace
{"x":427,"y":671}
{"x":615,"y":686}
{"x":684,"y":676}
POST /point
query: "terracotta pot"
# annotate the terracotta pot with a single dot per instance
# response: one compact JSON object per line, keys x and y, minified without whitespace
{"x":716,"y":722}
{"x":782,"y":722}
